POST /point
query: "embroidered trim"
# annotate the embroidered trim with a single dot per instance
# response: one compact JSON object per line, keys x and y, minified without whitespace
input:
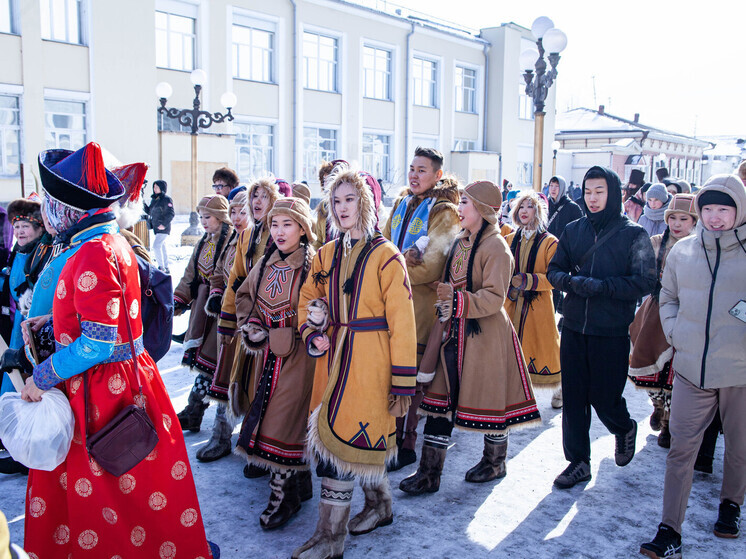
{"x":45,"y":377}
{"x":98,"y":332}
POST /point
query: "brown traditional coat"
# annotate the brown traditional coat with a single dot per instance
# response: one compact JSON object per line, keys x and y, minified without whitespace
{"x":495,"y":391}
{"x":442,"y":229}
{"x":534,"y":321}
{"x":283,"y":370}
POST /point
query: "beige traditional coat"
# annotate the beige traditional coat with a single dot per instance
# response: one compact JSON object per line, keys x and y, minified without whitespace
{"x":495,"y":392}
{"x":275,"y":433}
{"x":530,"y":306}
{"x":372,"y":354}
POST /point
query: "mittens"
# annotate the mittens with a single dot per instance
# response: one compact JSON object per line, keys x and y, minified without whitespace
{"x":318,"y":315}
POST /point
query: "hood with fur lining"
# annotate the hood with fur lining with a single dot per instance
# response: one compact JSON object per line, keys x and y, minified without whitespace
{"x":367,"y":216}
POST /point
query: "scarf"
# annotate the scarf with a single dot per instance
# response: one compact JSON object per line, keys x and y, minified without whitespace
{"x":656,"y":215}
{"x":417,"y":226}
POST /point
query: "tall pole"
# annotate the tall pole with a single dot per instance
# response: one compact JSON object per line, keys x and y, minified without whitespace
{"x":194,"y":170}
{"x":554,"y":163}
{"x":538,"y":148}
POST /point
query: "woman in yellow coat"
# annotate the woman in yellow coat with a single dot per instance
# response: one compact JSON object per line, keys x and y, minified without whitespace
{"x":357,"y":317}
{"x":529,"y":303}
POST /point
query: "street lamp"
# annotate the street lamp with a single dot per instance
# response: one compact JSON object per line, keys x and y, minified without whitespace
{"x":555,"y":147}
{"x":194,"y":118}
{"x":538,"y":80}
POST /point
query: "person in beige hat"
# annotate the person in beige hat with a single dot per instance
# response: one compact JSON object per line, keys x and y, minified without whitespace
{"x":194,"y":291}
{"x":273,"y":432}
{"x":300,"y":190}
{"x":480,"y":365}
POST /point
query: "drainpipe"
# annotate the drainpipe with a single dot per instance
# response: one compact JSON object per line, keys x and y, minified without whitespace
{"x":407,"y":125}
{"x":295,"y":88}
{"x":486,"y":50}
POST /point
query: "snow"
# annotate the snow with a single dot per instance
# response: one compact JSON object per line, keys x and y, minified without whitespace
{"x":520,"y":516}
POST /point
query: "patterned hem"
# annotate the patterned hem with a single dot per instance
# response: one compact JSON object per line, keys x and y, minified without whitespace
{"x":501,"y":424}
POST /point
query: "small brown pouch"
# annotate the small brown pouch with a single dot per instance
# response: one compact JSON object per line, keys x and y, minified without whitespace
{"x":282,"y":341}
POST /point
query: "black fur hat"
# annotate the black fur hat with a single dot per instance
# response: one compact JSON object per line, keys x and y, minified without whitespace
{"x":25,"y":209}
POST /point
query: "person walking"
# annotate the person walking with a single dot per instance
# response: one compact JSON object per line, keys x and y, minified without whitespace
{"x":160,"y":215}
{"x":79,"y":508}
{"x":529,"y":299}
{"x":633,"y":201}
{"x":356,"y":316}
{"x":604,"y":263}
{"x":652,"y":218}
{"x":703,"y":315}
{"x":479,"y":374}
{"x":422,"y":224}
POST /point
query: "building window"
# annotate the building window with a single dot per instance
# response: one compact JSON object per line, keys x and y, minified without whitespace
{"x":254,"y":149}
{"x":10,"y":135}
{"x":466,"y":90}
{"x":253,"y":51}
{"x":168,"y":124}
{"x":524,"y":174}
{"x":377,"y":155}
{"x":465,"y":145}
{"x":525,"y":103}
{"x":426,"y":141}
{"x":176,"y":39}
{"x":377,"y":73}
{"x":60,"y":21}
{"x":319,"y":144}
{"x":320,"y":62}
{"x":425,"y":76}
{"x":64,"y":124}
{"x":7,"y":9}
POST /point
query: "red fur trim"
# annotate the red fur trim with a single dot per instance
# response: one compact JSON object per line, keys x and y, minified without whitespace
{"x":94,"y":171}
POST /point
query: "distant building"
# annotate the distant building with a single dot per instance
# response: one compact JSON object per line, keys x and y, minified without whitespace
{"x":725,"y":157}
{"x":589,"y":138}
{"x":315,"y":79}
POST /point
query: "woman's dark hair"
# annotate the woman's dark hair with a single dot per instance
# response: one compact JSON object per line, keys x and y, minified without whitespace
{"x":659,"y":262}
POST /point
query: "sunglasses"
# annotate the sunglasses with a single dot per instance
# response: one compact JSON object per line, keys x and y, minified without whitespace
{"x":219,"y":186}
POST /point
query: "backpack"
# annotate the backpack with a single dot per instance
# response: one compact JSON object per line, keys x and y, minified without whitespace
{"x":157,"y":305}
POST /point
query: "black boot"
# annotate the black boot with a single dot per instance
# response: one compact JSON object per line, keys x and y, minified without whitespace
{"x":10,"y":466}
{"x":190,"y":417}
{"x":284,"y":502}
{"x":305,"y":484}
{"x":253,"y":471}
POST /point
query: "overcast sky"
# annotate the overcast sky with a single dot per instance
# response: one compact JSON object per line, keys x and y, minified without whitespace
{"x":680,"y":64}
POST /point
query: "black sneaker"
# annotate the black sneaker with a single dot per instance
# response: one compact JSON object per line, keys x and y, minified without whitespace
{"x":576,"y":472}
{"x":625,"y":446}
{"x":667,"y":544}
{"x":729,"y":519}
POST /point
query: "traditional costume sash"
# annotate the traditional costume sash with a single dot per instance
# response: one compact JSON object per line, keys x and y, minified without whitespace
{"x":417,"y":226}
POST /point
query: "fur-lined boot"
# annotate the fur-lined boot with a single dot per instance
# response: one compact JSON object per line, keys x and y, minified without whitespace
{"x":492,"y":464}
{"x":657,"y":415}
{"x":427,"y":477}
{"x":190,"y":417}
{"x":557,"y":399}
{"x":284,"y":502}
{"x":328,"y":542}
{"x":377,"y":509}
{"x":219,"y":444}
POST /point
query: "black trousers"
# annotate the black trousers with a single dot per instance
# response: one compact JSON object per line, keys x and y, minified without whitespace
{"x":594,"y":373}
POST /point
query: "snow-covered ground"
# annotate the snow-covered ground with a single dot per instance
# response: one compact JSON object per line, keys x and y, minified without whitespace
{"x":521,"y":516}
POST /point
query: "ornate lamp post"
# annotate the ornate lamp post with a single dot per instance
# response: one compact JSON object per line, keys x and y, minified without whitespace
{"x":538,"y":80}
{"x":195,"y":118}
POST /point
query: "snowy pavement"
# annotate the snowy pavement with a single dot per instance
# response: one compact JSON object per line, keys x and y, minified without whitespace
{"x":520,"y":516}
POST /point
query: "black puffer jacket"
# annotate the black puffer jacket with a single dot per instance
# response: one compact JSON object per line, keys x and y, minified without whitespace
{"x":625,"y":264}
{"x":160,"y":211}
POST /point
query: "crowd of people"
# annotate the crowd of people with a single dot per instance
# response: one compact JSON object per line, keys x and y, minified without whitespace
{"x":328,"y":334}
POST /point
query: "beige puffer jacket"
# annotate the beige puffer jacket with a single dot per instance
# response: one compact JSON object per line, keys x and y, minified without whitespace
{"x":702,"y":281}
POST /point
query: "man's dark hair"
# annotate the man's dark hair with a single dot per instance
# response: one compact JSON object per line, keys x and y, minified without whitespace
{"x":227,"y":175}
{"x":432,"y":154}
{"x":595,"y":173}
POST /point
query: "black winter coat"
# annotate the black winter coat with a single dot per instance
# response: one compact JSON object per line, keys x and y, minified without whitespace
{"x":160,"y":212}
{"x":625,"y":263}
{"x":561,"y":213}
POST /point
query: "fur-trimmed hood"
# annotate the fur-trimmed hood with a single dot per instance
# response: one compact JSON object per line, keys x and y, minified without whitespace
{"x":268,"y":184}
{"x":367,"y":217}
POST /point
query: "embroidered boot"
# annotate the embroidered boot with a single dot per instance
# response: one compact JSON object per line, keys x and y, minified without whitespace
{"x":284,"y":501}
{"x":377,"y":509}
{"x":219,"y":444}
{"x":492,"y":464}
{"x":427,"y":477}
{"x":328,"y":542}
{"x":190,"y":417}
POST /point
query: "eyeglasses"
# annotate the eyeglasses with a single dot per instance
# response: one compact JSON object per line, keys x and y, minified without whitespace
{"x":219,"y":186}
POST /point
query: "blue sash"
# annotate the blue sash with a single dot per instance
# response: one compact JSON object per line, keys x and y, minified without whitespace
{"x":417,"y":225}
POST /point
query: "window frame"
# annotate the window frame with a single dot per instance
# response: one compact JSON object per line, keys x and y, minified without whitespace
{"x":47,"y":34}
{"x":312,"y":174}
{"x":16,"y":93}
{"x":68,"y":97}
{"x":13,"y":23}
{"x":461,"y":89}
{"x":388,"y":156}
{"x":388,"y":73}
{"x":182,"y":9}
{"x":458,"y":142}
{"x":435,"y":81}
{"x":242,"y":120}
{"x":249,"y":21}
{"x":336,"y":64}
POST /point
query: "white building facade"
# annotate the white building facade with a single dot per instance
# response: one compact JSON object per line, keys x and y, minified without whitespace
{"x":314,"y":79}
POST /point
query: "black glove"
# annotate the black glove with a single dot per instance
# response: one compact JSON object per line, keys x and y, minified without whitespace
{"x":214,"y":303}
{"x":180,"y":308}
{"x":593,"y":286}
{"x":15,"y":359}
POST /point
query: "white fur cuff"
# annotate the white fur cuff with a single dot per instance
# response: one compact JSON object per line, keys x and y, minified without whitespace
{"x":424,"y":378}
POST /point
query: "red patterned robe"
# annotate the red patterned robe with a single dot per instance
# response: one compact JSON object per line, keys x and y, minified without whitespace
{"x":80,"y":510}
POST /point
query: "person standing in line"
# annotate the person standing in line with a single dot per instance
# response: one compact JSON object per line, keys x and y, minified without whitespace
{"x":703,"y":314}
{"x":650,"y":359}
{"x":480,"y":382}
{"x":652,"y":218}
{"x":322,"y":227}
{"x":633,"y":201}
{"x":160,"y":215}
{"x":273,"y":433}
{"x":529,"y":299}
{"x":193,"y":291}
{"x":224,"y":180}
{"x":219,"y":444}
{"x":422,"y":224}
{"x":357,"y":317}
{"x":604,"y":263}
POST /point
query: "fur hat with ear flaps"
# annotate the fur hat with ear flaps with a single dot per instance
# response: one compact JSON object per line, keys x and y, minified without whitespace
{"x":296,"y":209}
{"x":487,"y":199}
{"x":269,"y":185}
{"x":367,"y":216}
{"x":216,"y":206}
{"x":25,"y":209}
